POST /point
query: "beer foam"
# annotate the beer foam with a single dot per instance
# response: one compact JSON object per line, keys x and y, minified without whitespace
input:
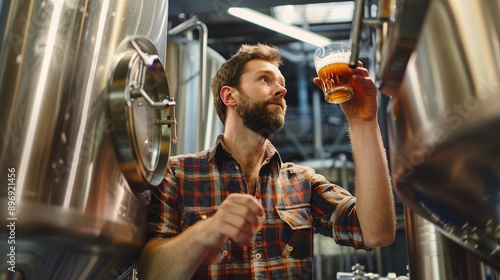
{"x":332,"y":59}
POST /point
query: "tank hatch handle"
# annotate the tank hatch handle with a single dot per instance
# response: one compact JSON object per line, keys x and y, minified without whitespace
{"x":149,"y":61}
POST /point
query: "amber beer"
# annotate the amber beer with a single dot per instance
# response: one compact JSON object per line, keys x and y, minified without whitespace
{"x":336,"y":82}
{"x":331,"y":63}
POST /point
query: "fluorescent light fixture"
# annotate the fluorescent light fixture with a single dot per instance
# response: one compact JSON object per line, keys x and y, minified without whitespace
{"x":320,"y":13}
{"x":275,"y":25}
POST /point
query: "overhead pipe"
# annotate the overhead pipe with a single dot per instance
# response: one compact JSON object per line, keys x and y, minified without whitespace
{"x":358,"y":23}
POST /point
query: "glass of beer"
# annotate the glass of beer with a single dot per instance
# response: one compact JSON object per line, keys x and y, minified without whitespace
{"x":332,"y":65}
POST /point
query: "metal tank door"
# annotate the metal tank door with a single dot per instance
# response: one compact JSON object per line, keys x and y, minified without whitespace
{"x":142,"y":113}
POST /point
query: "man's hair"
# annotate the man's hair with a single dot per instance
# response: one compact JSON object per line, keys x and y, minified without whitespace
{"x":230,"y":72}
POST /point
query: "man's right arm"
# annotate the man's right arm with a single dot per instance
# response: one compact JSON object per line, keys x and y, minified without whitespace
{"x":173,"y":258}
{"x":238,"y":218}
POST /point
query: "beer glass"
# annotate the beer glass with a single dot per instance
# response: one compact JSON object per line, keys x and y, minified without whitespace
{"x":332,"y":65}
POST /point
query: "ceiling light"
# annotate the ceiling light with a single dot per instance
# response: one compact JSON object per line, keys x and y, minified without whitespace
{"x":280,"y":27}
{"x":320,"y":13}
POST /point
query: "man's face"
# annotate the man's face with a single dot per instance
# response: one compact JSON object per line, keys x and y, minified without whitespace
{"x":261,"y":100}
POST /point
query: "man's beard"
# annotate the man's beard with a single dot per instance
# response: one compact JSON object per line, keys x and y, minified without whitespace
{"x":258,"y":118}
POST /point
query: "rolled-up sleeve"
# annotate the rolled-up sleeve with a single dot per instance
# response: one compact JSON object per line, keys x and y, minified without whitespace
{"x":335,"y":211}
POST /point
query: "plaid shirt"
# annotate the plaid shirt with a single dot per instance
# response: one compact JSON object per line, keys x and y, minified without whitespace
{"x":297,"y":201}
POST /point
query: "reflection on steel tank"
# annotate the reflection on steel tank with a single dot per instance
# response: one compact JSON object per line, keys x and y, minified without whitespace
{"x":191,"y":65}
{"x":86,"y":123}
{"x":440,"y":63}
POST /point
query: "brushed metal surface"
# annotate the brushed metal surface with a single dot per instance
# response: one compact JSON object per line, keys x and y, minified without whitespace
{"x":195,"y":111}
{"x":71,"y":196}
{"x":397,"y":39}
{"x":445,"y":125}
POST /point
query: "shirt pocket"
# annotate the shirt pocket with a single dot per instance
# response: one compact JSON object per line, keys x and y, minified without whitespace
{"x":213,"y":257}
{"x":296,"y":235}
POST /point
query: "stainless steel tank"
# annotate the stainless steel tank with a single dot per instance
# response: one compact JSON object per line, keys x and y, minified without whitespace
{"x":440,"y":62}
{"x":190,"y":66}
{"x":85,"y":123}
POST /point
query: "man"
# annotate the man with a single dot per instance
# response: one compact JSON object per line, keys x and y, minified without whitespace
{"x":235,"y":211}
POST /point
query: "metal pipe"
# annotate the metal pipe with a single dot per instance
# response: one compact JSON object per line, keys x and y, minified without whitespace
{"x":358,"y":23}
{"x":318,"y":138}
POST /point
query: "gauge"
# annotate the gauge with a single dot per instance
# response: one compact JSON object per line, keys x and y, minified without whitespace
{"x":142,"y":113}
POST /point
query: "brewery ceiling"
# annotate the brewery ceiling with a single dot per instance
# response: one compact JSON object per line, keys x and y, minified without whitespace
{"x":226,"y":33}
{"x":331,"y":19}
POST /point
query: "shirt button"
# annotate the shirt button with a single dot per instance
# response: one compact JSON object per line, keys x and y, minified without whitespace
{"x":203,"y":217}
{"x":225,"y":253}
{"x":236,"y":167}
{"x":258,"y":256}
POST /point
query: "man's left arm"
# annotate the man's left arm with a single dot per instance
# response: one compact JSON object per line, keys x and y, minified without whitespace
{"x":373,"y":189}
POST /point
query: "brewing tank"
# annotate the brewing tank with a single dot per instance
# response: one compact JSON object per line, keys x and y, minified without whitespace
{"x":189,"y":74}
{"x":86,"y":124}
{"x":441,"y":68}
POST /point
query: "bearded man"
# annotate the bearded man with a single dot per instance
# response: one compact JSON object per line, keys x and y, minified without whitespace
{"x":236,"y":211}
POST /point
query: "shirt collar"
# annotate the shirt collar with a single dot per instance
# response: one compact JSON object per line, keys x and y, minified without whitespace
{"x":270,"y":149}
